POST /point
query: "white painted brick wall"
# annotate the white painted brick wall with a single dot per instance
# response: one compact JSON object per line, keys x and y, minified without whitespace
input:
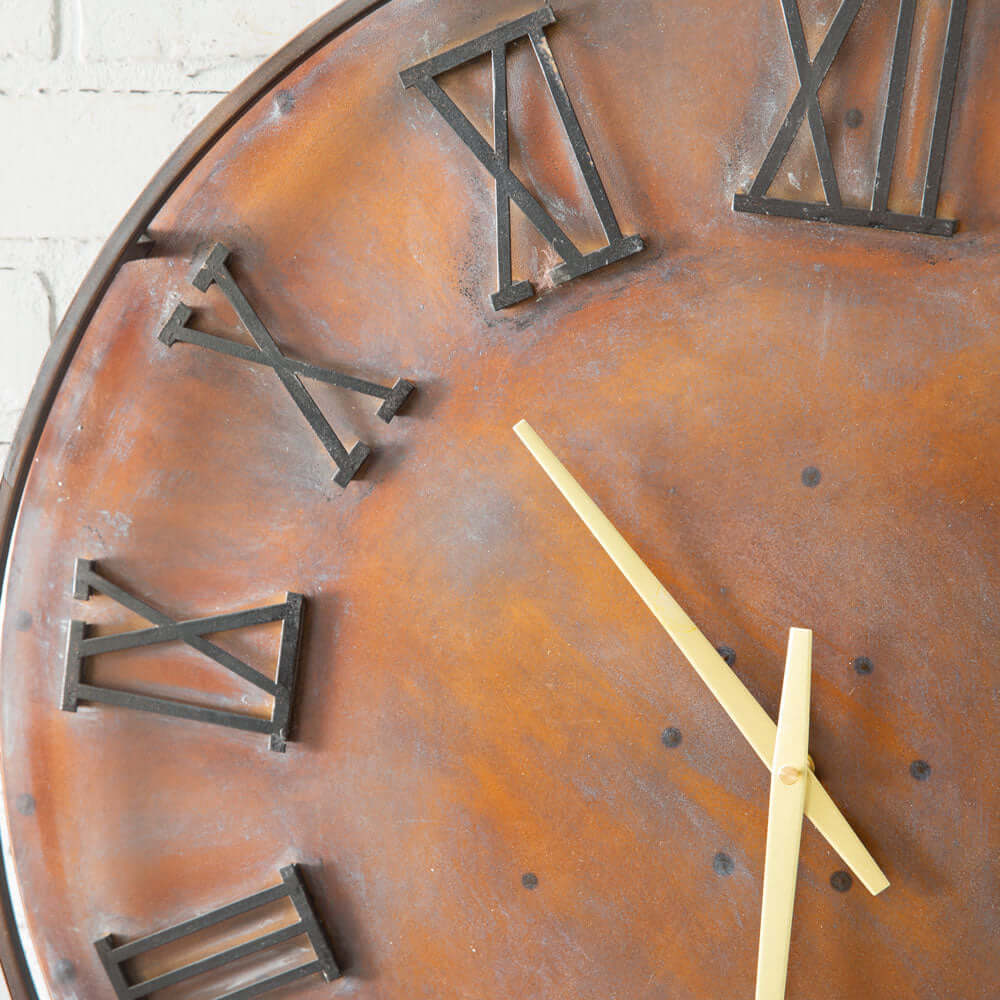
{"x":27,"y":28}
{"x":94,"y":95}
{"x":26,"y":322}
{"x":82,"y":158}
{"x":191,"y":31}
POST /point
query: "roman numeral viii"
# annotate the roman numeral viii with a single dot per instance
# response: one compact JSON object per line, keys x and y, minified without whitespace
{"x":496,"y":157}
{"x":192,"y":632}
{"x":116,"y":956}
{"x":214,"y":270}
{"x":812,"y":73}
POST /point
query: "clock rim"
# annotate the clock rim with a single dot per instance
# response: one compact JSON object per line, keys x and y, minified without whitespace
{"x":14,"y":963}
{"x":100,"y":279}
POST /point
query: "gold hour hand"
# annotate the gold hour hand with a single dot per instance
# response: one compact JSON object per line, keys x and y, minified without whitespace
{"x":784,"y":818}
{"x":753,"y":722}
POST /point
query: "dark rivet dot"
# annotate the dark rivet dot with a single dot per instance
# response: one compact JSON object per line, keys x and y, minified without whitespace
{"x":671,"y":737}
{"x":810,"y":476}
{"x":854,"y":118}
{"x":529,"y":880}
{"x":723,"y":864}
{"x":64,"y":970}
{"x":727,"y":653}
{"x":23,"y":621}
{"x":841,"y":881}
{"x":862,"y":665}
{"x":920,"y":770}
{"x":25,"y":804}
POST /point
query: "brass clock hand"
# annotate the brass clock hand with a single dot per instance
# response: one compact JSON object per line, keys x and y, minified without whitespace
{"x":741,"y":706}
{"x":784,"y":818}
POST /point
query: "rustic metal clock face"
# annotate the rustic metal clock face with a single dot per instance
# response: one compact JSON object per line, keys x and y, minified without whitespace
{"x":384,"y":711}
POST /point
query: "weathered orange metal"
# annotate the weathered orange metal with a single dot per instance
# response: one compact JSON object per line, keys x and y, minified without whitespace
{"x":481,"y":698}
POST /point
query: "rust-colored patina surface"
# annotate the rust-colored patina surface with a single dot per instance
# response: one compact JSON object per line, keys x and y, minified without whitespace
{"x":481,"y":697}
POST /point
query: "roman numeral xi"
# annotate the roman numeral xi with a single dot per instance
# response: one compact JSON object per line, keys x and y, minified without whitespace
{"x":214,"y":269}
{"x":192,"y":632}
{"x":496,"y":157}
{"x":806,"y":105}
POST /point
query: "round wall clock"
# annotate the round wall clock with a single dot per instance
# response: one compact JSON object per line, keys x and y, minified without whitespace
{"x":512,"y":513}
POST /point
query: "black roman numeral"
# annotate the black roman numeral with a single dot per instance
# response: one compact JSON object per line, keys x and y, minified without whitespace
{"x":192,"y":632}
{"x":214,"y":269}
{"x":496,"y":158}
{"x":115,"y":956}
{"x":806,"y":104}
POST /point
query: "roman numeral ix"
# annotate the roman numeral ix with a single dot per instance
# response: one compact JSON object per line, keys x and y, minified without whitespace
{"x":811,"y":75}
{"x":496,"y":158}
{"x":115,"y":956}
{"x":79,"y":647}
{"x":214,"y":269}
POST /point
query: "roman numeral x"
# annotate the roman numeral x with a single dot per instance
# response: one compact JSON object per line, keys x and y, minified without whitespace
{"x":496,"y":158}
{"x":806,"y":104}
{"x":88,"y":580}
{"x":214,"y":269}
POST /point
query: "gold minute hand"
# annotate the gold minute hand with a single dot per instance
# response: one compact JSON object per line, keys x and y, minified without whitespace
{"x":741,"y":706}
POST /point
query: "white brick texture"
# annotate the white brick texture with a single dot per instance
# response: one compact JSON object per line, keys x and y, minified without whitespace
{"x":191,"y":31}
{"x":25,"y":336}
{"x":83,"y":158}
{"x":28,"y":28}
{"x":94,"y":95}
